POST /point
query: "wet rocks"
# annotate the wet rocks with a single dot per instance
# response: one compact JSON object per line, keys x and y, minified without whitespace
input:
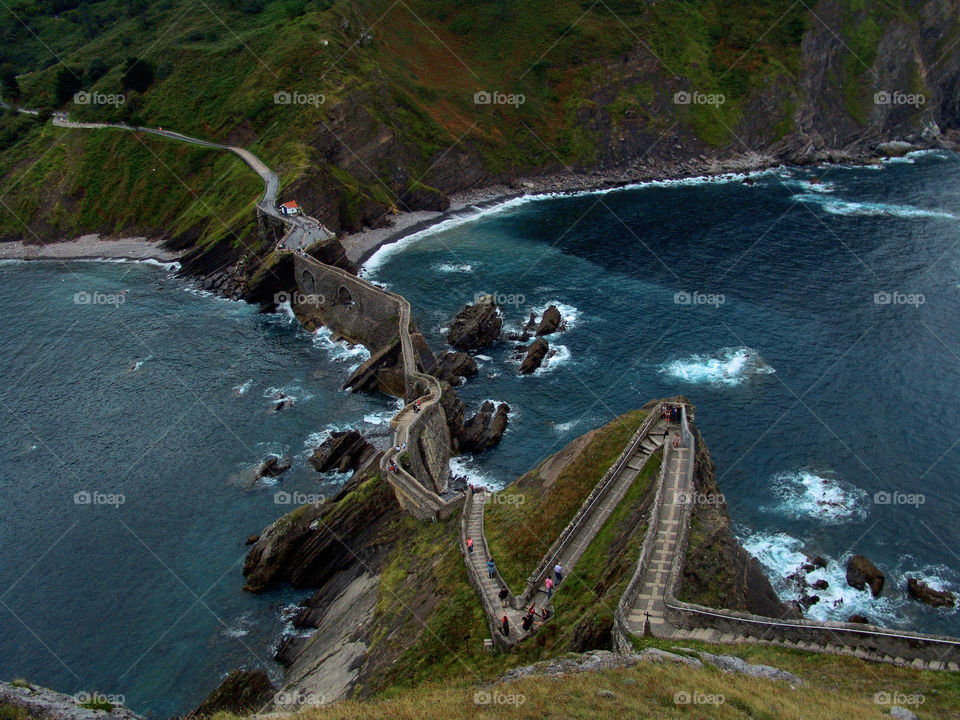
{"x":272,"y":466}
{"x":894,"y":148}
{"x":452,"y":366}
{"x":862,"y":573}
{"x":484,"y":429}
{"x":926,"y":594}
{"x":536,"y":352}
{"x":550,"y":321}
{"x":342,"y":451}
{"x":820,"y":585}
{"x":476,"y":326}
{"x":857,"y":618}
{"x":282,"y":401}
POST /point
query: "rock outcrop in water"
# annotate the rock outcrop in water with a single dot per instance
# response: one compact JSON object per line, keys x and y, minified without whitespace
{"x":485,"y":429}
{"x":476,"y":326}
{"x":343,"y":451}
{"x":271,"y":466}
{"x":862,"y":573}
{"x":452,"y":366}
{"x":550,"y":322}
{"x":533,"y":359}
{"x":926,"y":594}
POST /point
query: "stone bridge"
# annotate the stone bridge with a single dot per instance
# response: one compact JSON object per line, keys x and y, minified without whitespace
{"x":380,"y":320}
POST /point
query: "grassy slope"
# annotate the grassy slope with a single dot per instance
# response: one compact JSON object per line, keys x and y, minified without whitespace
{"x":835,"y":687}
{"x":220,"y":68}
{"x":521,"y":528}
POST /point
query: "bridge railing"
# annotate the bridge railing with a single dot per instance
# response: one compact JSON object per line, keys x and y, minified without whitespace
{"x":596,"y":495}
{"x":823,"y":633}
{"x":621,"y":630}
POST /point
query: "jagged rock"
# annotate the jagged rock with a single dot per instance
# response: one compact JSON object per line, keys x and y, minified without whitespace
{"x":808,"y":567}
{"x":484,"y":429}
{"x":535,"y":354}
{"x":820,"y":585}
{"x":818,"y":562}
{"x":894,"y":148}
{"x":861,"y":619}
{"x":252,"y":539}
{"x":242,"y":692}
{"x":658,"y":656}
{"x":342,"y":451}
{"x":451,"y":366}
{"x":381,"y":372}
{"x":454,"y":411}
{"x":549,"y":322}
{"x":731,"y":664}
{"x":809,"y":600}
{"x":476,"y":326}
{"x":924,"y":593}
{"x":272,"y":466}
{"x":40,"y":702}
{"x":861,"y":572}
{"x":425,"y":359}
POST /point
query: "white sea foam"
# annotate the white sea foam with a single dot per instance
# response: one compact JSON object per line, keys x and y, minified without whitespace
{"x":139,"y":363}
{"x":835,"y":206}
{"x":818,"y":494}
{"x":285,"y":310}
{"x":569,"y":314}
{"x":339,"y":350}
{"x":454,"y":268}
{"x":557,"y":356}
{"x":170,"y":266}
{"x":729,"y":366}
{"x":485,"y":358}
{"x":243,"y":387}
{"x":294,"y":392}
{"x":565,"y":427}
{"x":781,"y":555}
{"x":238,"y":627}
{"x":465,"y":466}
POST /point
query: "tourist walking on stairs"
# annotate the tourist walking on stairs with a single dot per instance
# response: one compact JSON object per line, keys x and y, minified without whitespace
{"x":491,"y":568}
{"x":505,"y":626}
{"x":470,"y":545}
{"x":558,"y":572}
{"x":503,"y":597}
{"x":548,"y":584}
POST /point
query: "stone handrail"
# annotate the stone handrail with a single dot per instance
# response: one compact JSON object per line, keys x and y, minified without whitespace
{"x":596,"y":495}
{"x":621,"y":630}
{"x":822,"y":634}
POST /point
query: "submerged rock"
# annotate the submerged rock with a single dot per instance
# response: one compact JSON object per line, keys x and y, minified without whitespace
{"x":476,"y":326}
{"x":926,"y":594}
{"x":534,"y":358}
{"x":282,"y":402}
{"x":861,"y":573}
{"x":272,"y":466}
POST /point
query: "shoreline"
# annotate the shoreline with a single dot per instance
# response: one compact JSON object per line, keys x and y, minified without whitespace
{"x":363,"y":245}
{"x":90,"y":247}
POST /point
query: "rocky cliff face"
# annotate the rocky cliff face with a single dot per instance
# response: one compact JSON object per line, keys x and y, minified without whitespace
{"x":718,"y":572}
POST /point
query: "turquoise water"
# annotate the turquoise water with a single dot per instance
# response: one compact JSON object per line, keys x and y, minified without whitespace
{"x":812,"y":397}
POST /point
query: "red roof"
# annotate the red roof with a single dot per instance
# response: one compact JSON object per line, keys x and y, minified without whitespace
{"x":292,"y":205}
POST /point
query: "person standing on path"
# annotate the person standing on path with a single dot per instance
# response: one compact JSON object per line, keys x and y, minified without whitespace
{"x":470,"y":545}
{"x":558,"y":572}
{"x":503,"y":597}
{"x":505,"y":626}
{"x":548,"y":584}
{"x":491,"y":568}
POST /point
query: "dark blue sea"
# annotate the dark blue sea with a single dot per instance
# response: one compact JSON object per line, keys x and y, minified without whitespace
{"x":811,"y":315}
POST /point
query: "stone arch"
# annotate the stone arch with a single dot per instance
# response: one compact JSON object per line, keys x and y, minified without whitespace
{"x":343,"y":296}
{"x":307,"y":283}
